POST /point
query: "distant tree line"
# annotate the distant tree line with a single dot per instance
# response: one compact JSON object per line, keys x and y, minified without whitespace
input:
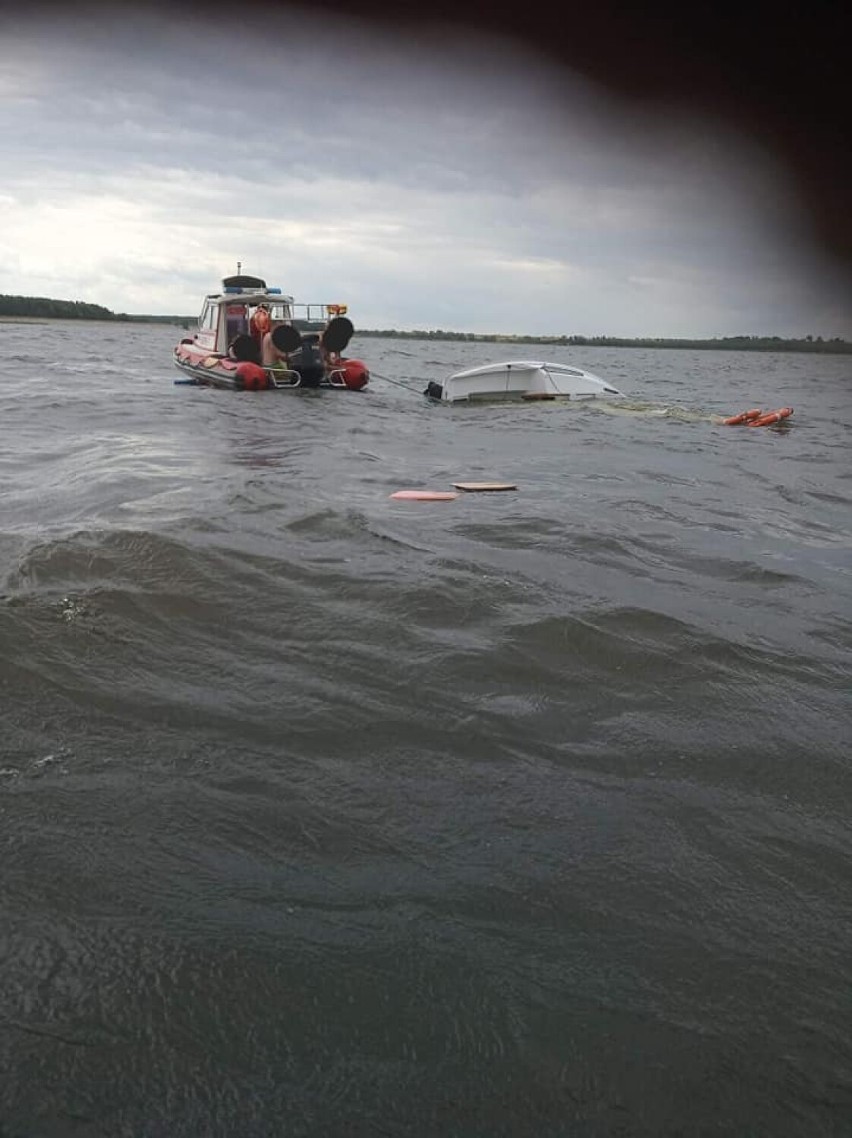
{"x":721,"y":343}
{"x":52,"y":309}
{"x":45,"y":308}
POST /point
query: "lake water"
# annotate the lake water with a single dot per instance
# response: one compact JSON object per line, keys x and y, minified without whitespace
{"x":323,"y":814}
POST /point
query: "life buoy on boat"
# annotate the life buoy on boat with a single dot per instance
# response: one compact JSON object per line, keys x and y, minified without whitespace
{"x":743,"y":417}
{"x":260,"y":323}
{"x":251,"y":377}
{"x":354,"y":374}
{"x":772,"y":417}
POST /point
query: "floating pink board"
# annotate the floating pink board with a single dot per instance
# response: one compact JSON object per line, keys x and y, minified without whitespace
{"x":425,"y":495}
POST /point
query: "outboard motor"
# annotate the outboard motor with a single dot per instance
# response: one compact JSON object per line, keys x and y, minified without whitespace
{"x":308,"y":362}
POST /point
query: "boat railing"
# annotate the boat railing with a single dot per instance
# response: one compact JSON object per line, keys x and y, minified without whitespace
{"x":283,"y":377}
{"x":315,"y":316}
{"x":286,"y":377}
{"x":336,"y":377}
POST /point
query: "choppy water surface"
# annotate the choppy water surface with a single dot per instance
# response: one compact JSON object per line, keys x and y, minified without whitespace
{"x":326,"y":815}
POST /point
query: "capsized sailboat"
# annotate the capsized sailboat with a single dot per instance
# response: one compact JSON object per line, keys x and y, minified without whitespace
{"x":521,"y":379}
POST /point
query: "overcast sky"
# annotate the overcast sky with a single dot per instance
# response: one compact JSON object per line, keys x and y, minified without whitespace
{"x":429,"y":182}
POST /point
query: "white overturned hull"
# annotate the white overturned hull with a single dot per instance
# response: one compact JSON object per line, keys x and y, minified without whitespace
{"x":522,"y":379}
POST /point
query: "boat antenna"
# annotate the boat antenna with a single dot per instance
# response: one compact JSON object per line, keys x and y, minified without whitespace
{"x":239,"y":267}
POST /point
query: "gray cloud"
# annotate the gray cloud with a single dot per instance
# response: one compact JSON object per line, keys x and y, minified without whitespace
{"x":432,"y":183}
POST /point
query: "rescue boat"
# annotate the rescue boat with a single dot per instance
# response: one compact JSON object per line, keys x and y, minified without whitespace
{"x":251,"y":337}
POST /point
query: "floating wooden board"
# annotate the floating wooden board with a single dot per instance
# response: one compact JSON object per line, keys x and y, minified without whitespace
{"x":425,"y":495}
{"x":482,"y":486}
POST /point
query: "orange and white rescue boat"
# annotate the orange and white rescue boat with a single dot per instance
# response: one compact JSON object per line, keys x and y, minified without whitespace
{"x":251,"y":337}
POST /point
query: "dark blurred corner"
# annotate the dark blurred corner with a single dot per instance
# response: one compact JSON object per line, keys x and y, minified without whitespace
{"x":779,"y":74}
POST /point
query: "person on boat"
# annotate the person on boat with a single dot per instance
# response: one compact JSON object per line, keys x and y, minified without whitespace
{"x":244,"y":349}
{"x":277,"y":344}
{"x":270,"y":355}
{"x":286,"y":347}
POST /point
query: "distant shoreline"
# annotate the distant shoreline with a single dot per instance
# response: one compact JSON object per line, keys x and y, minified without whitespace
{"x":723,"y":343}
{"x":38,"y":310}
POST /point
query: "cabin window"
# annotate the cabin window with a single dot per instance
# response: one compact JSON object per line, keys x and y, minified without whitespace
{"x":208,"y":318}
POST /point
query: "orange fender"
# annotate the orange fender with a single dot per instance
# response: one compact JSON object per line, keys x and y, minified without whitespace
{"x":772,"y":417}
{"x":355,"y":374}
{"x":743,"y":417}
{"x":251,"y":377}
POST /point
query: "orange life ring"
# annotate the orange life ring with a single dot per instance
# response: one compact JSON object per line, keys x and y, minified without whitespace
{"x":743,"y":417}
{"x":260,"y":322}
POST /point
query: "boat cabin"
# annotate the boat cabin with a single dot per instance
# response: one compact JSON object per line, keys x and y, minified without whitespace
{"x":234,"y":312}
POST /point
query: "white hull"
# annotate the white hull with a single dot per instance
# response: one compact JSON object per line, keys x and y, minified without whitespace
{"x":522,"y":379}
